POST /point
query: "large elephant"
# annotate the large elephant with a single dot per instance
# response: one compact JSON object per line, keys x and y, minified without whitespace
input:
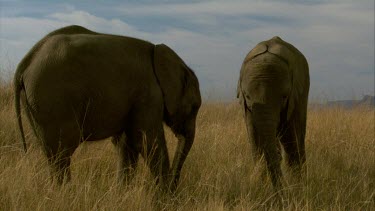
{"x":78,"y":85}
{"x":273,"y":91}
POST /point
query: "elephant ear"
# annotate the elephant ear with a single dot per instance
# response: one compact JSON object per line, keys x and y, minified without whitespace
{"x":240,"y":96}
{"x":299,"y":72}
{"x":170,"y":71}
{"x":256,"y":51}
{"x":301,"y":83}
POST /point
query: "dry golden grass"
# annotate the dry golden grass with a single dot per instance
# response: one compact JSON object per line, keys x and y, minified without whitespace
{"x":218,"y":174}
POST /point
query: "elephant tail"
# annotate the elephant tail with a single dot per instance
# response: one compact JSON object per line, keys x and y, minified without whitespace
{"x":18,"y":87}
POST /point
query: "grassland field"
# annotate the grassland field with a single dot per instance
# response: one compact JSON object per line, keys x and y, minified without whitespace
{"x":218,"y":174}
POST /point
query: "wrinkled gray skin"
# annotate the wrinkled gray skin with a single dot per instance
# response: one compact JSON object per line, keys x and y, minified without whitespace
{"x":77,"y":85}
{"x":273,"y":91}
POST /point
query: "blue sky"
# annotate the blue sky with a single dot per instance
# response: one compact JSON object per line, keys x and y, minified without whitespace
{"x":213,"y":37}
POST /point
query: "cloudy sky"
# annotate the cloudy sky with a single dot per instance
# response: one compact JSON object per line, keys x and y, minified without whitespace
{"x":213,"y":37}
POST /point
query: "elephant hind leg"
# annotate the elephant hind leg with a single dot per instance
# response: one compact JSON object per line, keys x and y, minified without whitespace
{"x":128,"y":158}
{"x":60,"y":164}
{"x":59,"y":146}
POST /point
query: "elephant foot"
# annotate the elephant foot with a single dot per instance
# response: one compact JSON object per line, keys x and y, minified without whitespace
{"x":61,"y":176}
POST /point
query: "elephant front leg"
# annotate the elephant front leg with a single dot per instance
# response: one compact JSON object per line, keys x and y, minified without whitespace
{"x":145,"y":133}
{"x":156,"y":155}
{"x":128,"y":158}
{"x":293,"y":141}
{"x":154,"y":151}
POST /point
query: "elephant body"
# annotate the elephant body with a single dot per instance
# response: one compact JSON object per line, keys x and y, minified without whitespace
{"x":273,"y":92}
{"x":68,"y":90}
{"x":81,"y":85}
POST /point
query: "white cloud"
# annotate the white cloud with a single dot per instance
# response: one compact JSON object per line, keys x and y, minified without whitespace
{"x":18,"y":34}
{"x":345,"y":11}
{"x":214,"y":36}
{"x":97,"y":23}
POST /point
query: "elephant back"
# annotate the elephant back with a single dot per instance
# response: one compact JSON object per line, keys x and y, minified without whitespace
{"x":275,"y":46}
{"x":256,"y":51}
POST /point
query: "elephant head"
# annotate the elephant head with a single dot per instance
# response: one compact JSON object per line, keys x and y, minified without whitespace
{"x":273,"y":90}
{"x":182,"y":100}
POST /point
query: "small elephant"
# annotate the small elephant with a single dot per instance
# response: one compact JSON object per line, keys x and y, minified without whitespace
{"x":273,"y":92}
{"x":78,"y":85}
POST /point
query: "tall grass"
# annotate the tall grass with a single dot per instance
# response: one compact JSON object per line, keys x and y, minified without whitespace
{"x":219,"y":173}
